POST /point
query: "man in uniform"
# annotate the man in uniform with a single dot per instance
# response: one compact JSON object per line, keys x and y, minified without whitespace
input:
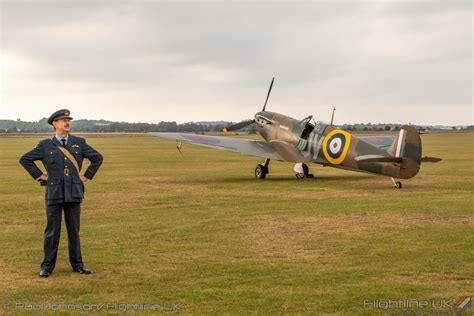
{"x":62,"y":156}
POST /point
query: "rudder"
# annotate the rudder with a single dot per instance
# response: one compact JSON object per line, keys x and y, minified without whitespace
{"x":407,"y":145}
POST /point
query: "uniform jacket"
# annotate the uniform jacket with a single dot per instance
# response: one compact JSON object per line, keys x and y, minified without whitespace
{"x":61,"y":188}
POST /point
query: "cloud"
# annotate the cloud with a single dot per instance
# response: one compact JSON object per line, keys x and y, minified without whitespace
{"x":153,"y":61}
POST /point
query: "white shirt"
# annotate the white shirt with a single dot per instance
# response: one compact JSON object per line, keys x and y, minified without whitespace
{"x":59,"y":138}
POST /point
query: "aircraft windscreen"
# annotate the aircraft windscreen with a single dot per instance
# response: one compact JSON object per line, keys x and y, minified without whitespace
{"x":308,"y":121}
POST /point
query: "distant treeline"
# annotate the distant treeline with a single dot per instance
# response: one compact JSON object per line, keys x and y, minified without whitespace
{"x":396,"y":127}
{"x":103,"y":126}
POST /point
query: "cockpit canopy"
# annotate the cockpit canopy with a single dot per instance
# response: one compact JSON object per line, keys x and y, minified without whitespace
{"x":308,"y":124}
{"x":308,"y":120}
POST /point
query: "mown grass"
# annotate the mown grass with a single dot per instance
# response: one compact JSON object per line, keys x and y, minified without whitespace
{"x":197,"y":229}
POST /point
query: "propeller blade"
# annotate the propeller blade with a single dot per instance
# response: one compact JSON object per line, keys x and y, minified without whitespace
{"x":268,"y":94}
{"x":238,"y":125}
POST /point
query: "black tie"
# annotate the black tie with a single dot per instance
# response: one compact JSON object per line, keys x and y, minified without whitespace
{"x":63,"y":140}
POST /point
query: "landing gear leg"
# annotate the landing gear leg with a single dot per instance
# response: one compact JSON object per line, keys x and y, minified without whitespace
{"x":261,"y":170}
{"x":396,"y":184}
{"x":302,"y":171}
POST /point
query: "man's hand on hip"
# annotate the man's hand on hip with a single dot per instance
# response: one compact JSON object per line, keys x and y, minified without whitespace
{"x":83,"y":179}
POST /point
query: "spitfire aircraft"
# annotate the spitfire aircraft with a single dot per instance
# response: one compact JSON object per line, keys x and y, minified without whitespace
{"x":310,"y":141}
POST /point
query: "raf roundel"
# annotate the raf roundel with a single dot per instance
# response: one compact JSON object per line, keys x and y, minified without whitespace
{"x":335,"y":146}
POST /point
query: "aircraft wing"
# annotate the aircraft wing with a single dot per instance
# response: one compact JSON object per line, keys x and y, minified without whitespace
{"x":243,"y":146}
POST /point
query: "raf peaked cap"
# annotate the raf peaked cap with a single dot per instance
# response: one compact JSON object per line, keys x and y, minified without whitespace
{"x":61,"y":114}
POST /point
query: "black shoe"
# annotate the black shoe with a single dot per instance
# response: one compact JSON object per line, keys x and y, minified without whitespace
{"x":44,"y":273}
{"x":82,"y":270}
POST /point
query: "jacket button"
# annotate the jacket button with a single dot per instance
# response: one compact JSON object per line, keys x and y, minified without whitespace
{"x":65,"y":158}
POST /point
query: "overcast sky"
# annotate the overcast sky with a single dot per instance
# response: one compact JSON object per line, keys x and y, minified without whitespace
{"x":149,"y":61}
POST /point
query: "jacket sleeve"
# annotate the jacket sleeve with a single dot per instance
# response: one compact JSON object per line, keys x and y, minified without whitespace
{"x":95,"y":158}
{"x":28,"y":161}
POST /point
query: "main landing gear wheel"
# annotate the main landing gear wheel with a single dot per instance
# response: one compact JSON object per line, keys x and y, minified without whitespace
{"x":302,"y":171}
{"x":261,"y":170}
{"x":396,"y":184}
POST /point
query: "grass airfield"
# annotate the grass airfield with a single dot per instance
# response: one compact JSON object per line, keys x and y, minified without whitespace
{"x":198,"y":231}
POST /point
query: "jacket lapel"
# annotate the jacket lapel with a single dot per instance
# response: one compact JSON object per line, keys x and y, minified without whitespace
{"x":56,"y":141}
{"x":70,"y":140}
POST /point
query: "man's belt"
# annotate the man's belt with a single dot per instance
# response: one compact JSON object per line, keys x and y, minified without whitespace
{"x":71,"y":158}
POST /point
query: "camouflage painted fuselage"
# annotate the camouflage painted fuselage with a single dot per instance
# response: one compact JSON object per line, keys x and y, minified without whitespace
{"x":322,"y":143}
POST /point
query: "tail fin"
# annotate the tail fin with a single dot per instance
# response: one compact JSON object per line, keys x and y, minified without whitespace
{"x":407,"y":146}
